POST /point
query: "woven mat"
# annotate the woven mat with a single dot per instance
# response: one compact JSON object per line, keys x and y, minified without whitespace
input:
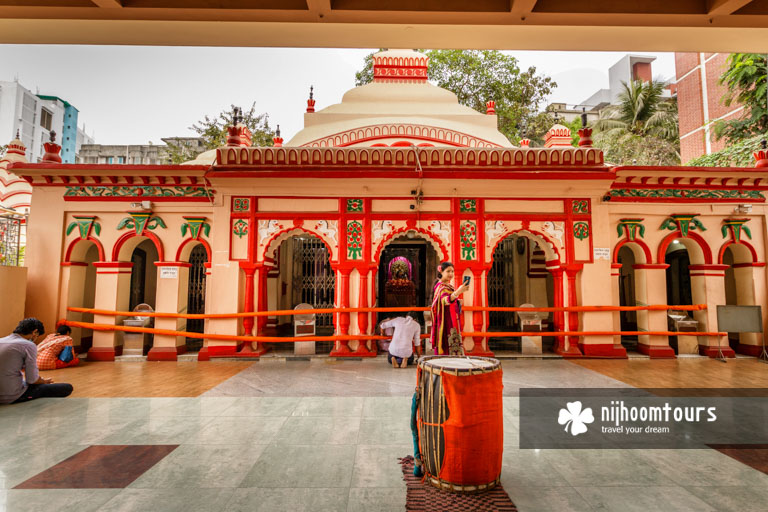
{"x":422,"y":497}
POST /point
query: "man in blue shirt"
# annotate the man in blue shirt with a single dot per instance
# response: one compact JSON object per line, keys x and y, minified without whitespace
{"x":18,"y":351}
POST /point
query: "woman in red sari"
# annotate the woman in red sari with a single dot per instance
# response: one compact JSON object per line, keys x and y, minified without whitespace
{"x":446,"y":313}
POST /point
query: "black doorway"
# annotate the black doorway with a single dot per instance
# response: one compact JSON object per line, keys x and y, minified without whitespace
{"x":393,"y":292}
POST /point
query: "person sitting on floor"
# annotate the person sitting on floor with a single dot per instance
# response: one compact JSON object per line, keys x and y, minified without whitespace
{"x":406,"y":336}
{"x":18,"y":352}
{"x":56,"y":351}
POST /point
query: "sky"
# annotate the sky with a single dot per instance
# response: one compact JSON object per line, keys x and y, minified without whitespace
{"x":138,"y":94}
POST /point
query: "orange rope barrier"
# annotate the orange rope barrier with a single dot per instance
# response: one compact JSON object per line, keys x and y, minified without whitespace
{"x":288,"y":312}
{"x":224,"y":337}
{"x":277,"y":339}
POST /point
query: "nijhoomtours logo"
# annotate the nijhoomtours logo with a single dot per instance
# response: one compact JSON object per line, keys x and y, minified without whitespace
{"x":641,"y":418}
{"x":575,"y":418}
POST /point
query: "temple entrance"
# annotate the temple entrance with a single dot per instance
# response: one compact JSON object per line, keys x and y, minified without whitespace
{"x":518,"y":276}
{"x":196,"y":295}
{"x":407,"y":271}
{"x":82,"y":291}
{"x":678,"y":275}
{"x":627,"y":295}
{"x":143,"y":275}
{"x":739,"y":289}
{"x":305,"y":276}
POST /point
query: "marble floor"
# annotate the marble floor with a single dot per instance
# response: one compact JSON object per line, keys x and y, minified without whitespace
{"x":326,"y":435}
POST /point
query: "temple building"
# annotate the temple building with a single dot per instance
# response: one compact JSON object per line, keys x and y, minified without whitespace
{"x":360,"y":207}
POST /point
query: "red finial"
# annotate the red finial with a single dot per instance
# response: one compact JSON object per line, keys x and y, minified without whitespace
{"x":585,"y":134}
{"x":311,"y":100}
{"x":761,"y":156}
{"x":490,"y":108}
{"x":52,"y":150}
{"x":524,"y":143}
{"x":277,"y":139}
{"x":238,"y":134}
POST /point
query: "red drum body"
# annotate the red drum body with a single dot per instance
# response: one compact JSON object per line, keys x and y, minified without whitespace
{"x":461,"y":429}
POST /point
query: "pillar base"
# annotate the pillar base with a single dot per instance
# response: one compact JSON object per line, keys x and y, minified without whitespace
{"x":165,"y":353}
{"x":604,"y":350}
{"x":104,"y":353}
{"x":657,"y":351}
{"x":749,"y":350}
{"x":712,"y":352}
{"x":221,"y":351}
{"x":573,"y":351}
{"x":364,"y":351}
{"x":203,"y":355}
{"x":248,"y":351}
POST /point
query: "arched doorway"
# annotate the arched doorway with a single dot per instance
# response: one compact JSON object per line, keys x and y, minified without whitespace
{"x":407,"y":272}
{"x":739,"y":288}
{"x":143,"y":275}
{"x":627,"y":295}
{"x":81,"y":291}
{"x":198,"y":257}
{"x":518,"y":276}
{"x":678,"y":274}
{"x":304,"y":275}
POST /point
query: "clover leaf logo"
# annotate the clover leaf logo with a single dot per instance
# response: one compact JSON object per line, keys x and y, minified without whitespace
{"x":575,"y":418}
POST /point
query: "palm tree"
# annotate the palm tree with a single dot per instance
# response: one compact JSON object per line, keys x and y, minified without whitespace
{"x":642,"y":110}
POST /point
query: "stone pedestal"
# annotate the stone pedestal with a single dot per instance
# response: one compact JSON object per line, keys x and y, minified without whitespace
{"x":687,"y":344}
{"x":530,"y":345}
{"x":304,"y":348}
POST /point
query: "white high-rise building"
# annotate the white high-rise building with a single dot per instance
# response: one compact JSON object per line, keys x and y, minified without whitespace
{"x":34,"y":116}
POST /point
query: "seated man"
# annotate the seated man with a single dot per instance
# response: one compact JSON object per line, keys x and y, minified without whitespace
{"x":49,"y":350}
{"x":405,"y":337}
{"x":17,"y":352}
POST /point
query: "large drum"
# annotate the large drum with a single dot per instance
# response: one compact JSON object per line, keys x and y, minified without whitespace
{"x":460,"y":422}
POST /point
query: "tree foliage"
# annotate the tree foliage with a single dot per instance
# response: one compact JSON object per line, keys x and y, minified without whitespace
{"x":641,"y":128}
{"x":739,"y":154}
{"x":745,"y":79}
{"x":213,"y":130}
{"x":477,"y":76}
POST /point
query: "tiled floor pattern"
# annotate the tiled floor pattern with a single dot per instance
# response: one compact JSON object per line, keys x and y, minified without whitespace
{"x":273,"y":437}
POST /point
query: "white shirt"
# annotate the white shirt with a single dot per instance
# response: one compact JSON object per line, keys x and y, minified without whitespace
{"x":407,"y":331}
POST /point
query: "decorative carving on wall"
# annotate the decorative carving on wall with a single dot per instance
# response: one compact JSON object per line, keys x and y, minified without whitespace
{"x":631,"y":228}
{"x":441,"y":229}
{"x":267,"y":228}
{"x":241,"y":204}
{"x":381,"y":228}
{"x":354,"y":240}
{"x":580,"y":206}
{"x":467,"y":205}
{"x":494,"y":230}
{"x":240,"y":228}
{"x":354,"y":205}
{"x":468,"y":239}
{"x":328,"y":228}
{"x":736,"y":227}
{"x":686,"y":193}
{"x":85,"y":224}
{"x":580,"y":230}
{"x":141,"y":221}
{"x":683,"y":223}
{"x":138,"y":191}
{"x":194,"y":225}
{"x":554,"y":230}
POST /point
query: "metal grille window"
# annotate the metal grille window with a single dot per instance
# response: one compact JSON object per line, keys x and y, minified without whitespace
{"x":314,"y":281}
{"x":11,"y":250}
{"x":501,"y":285}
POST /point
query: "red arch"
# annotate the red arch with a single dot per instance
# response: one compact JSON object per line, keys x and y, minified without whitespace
{"x":71,"y":247}
{"x":405,"y":229}
{"x":190,"y":240}
{"x":640,"y":243}
{"x":725,"y":246}
{"x":301,"y":228}
{"x":691,"y":235}
{"x":127,"y":236}
{"x":550,"y":263}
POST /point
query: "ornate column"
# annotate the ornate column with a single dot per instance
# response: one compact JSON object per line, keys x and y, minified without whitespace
{"x":572,"y":345}
{"x":113,"y":283}
{"x":557,"y":301}
{"x":750,"y":283}
{"x":480,"y":347}
{"x":708,"y":287}
{"x":365,"y":347}
{"x":341,"y":347}
{"x":171,"y":296}
{"x":251,"y":348}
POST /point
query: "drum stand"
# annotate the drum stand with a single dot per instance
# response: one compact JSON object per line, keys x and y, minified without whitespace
{"x":763,"y":357}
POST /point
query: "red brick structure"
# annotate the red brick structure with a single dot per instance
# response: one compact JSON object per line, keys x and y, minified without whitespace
{"x":699,"y":106}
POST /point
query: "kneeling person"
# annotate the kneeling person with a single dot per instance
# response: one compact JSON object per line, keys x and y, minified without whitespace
{"x":405,"y":337}
{"x":17,"y":352}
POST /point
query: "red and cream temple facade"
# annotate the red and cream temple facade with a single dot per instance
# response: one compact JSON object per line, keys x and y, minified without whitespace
{"x":348,"y":179}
